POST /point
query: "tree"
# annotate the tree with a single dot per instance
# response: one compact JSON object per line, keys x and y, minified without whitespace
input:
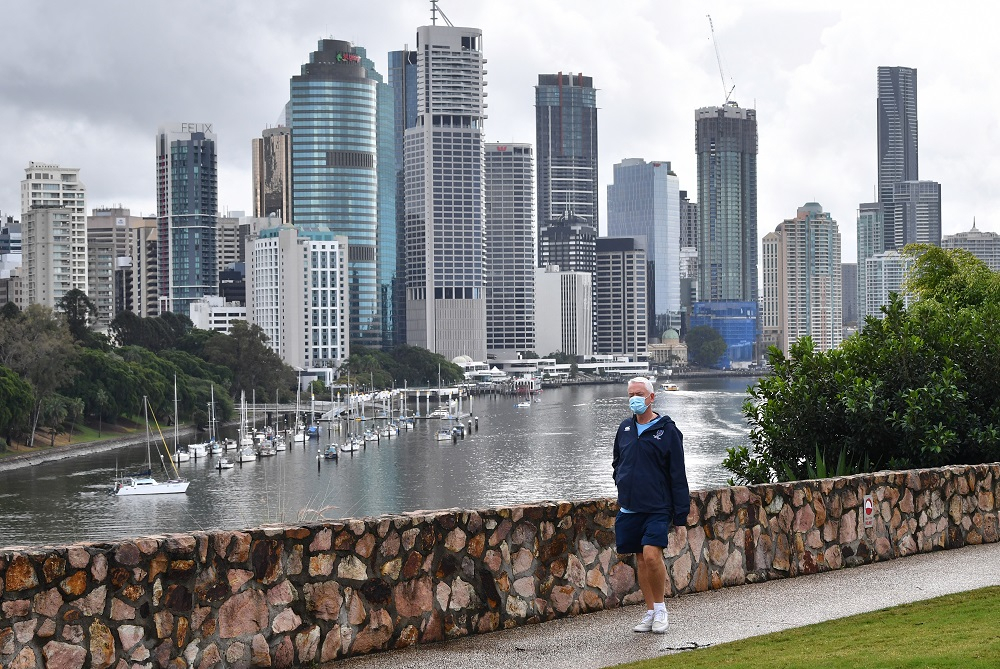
{"x":38,"y":346}
{"x":80,"y":312}
{"x":705,"y":346}
{"x":254,"y":365}
{"x":916,"y":388}
{"x":15,"y":402}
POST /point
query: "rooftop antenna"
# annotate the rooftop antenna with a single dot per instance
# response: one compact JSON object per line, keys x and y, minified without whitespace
{"x":435,"y":10}
{"x":718,"y":59}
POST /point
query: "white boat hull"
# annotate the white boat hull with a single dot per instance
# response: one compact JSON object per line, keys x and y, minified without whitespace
{"x":148,"y":486}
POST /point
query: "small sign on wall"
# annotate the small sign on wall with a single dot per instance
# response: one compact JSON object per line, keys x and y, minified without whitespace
{"x":869,"y":511}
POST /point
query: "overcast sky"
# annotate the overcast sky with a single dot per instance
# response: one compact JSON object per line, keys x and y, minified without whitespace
{"x":87,"y":84}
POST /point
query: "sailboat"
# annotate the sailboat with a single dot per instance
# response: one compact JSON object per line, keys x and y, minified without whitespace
{"x":300,"y":430}
{"x":147,"y":485}
{"x":247,"y":452}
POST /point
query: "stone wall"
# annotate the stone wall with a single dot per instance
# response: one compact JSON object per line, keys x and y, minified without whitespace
{"x":290,"y":596}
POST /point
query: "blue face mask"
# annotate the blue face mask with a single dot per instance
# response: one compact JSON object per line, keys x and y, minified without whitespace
{"x":637,"y":404}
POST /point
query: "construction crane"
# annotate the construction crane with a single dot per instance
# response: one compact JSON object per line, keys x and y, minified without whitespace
{"x":718,"y":58}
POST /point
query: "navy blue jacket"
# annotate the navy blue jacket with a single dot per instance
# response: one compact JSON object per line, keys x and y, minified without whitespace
{"x":649,"y":469}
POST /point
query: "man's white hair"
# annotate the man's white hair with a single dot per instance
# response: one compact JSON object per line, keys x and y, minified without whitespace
{"x":644,"y":381}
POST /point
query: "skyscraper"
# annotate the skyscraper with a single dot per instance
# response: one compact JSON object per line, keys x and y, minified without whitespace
{"x":802,"y":291}
{"x":897,"y":131}
{"x":726,"y":144}
{"x":445,"y":304}
{"x":403,"y":82}
{"x":272,"y":174}
{"x":916,"y":212}
{"x":644,"y":200}
{"x":689,"y":221}
{"x":569,"y":243}
{"x":51,"y":186}
{"x":107,"y":250}
{"x":566,"y":141}
{"x":510,"y":249}
{"x":564,"y":312}
{"x":186,"y":209}
{"x":342,"y":172}
{"x":871,"y":241}
{"x":620,"y":308}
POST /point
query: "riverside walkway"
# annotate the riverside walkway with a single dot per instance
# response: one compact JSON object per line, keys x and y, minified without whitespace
{"x":605,"y":638}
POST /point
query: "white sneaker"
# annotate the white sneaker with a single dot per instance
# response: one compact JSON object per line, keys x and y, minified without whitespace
{"x":646,"y":624}
{"x":659,"y":622}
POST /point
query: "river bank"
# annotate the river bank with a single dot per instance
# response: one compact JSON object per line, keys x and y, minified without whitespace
{"x":44,"y":454}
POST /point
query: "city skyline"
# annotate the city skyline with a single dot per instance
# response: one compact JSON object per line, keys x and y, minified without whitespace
{"x":99,"y":111}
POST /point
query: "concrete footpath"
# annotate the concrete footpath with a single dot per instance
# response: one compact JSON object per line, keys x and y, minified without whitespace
{"x":604,"y":639}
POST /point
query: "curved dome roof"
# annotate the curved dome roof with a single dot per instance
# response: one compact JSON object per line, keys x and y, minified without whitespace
{"x":670,"y":334}
{"x":461,"y":360}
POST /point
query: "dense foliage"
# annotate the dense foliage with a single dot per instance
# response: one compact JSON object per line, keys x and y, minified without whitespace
{"x":705,"y":345}
{"x":55,"y":372}
{"x":916,"y":388}
{"x":402,"y":365}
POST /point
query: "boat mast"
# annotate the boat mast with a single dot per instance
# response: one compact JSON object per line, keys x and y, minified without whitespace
{"x":176,"y":415}
{"x":149,"y":454}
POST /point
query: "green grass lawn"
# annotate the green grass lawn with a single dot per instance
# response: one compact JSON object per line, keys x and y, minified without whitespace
{"x":960,"y":630}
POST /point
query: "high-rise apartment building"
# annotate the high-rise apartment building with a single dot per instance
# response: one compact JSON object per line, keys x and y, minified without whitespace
{"x":297,"y":293}
{"x":897,"y":131}
{"x":689,"y":221}
{"x":272,"y":173}
{"x":510,"y":249}
{"x":566,"y":142}
{"x":445,"y":301}
{"x":802,"y":292}
{"x":885,"y":273}
{"x":403,"y":82}
{"x":107,"y":252}
{"x":726,"y":145}
{"x":871,"y":241}
{"x":48,"y":185}
{"x":980,"y":243}
{"x":342,"y":173}
{"x":644,"y":201}
{"x":620,"y":297}
{"x":849,"y":285}
{"x":564,"y":312}
{"x":916,"y":213}
{"x":187,"y":205}
{"x":139,"y":280}
{"x":230,"y":243}
{"x":49,"y":269}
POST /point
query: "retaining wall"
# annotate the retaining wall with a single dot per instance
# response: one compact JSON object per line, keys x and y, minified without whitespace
{"x":291,"y":596}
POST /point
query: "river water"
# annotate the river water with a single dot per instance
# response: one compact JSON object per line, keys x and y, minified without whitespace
{"x":558,"y":449}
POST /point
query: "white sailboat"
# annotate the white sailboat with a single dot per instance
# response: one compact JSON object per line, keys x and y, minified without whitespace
{"x":147,"y":485}
{"x":247,"y":452}
{"x":300,"y":430}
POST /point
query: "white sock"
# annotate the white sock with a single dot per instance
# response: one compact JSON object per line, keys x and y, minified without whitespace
{"x":659,"y":606}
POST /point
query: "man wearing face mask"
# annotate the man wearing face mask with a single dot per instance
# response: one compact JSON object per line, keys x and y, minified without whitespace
{"x":648,"y":468}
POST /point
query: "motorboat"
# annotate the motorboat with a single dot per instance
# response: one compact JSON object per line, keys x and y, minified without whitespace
{"x":523,"y":405}
{"x":215,"y":448}
{"x":279,"y":444}
{"x":330,"y":453}
{"x":669,"y":386}
{"x":247,"y":454}
{"x":443,"y":411}
{"x":198,"y":450}
{"x":224,"y":463}
{"x":445,"y":434}
{"x":371,"y":435}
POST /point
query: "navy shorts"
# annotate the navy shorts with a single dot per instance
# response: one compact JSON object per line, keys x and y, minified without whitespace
{"x":635,"y":530}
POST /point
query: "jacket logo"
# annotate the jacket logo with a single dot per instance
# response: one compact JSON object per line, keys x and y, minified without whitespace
{"x":659,"y":433}
{"x":627,"y":429}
